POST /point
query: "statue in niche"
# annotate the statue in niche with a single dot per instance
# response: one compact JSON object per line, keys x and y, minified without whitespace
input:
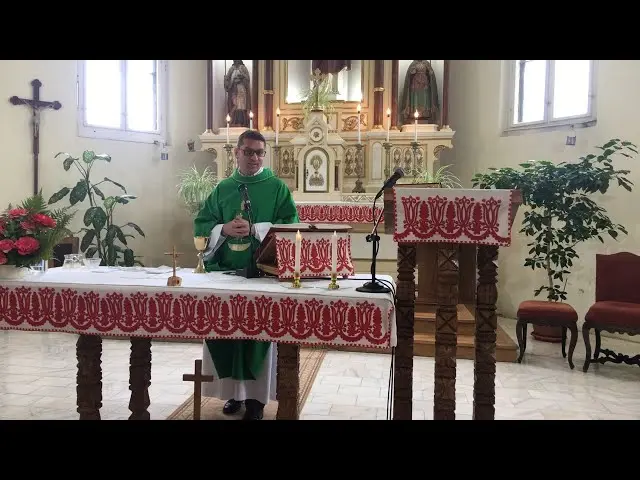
{"x":333,"y":68}
{"x":237,"y":86}
{"x":420,"y":93}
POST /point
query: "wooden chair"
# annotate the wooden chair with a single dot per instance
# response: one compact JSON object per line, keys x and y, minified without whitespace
{"x":617,"y":305}
{"x":67,"y":246}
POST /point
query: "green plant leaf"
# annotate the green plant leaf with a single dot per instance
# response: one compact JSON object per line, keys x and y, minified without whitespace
{"x":88,"y":156}
{"x":129,"y":260}
{"x":96,"y":217}
{"x":79,"y":192}
{"x":116,"y":184}
{"x":59,"y":195}
{"x":68,"y":162}
{"x":98,"y":192}
{"x":87,"y":240}
{"x":136,"y":228}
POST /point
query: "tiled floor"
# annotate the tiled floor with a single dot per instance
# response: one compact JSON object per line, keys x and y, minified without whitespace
{"x":37,"y":381}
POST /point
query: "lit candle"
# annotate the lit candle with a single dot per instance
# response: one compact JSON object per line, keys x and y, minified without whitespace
{"x":415,"y":138}
{"x":359,"y":109}
{"x":277,"y":124}
{"x":298,"y":252}
{"x":388,"y":123}
{"x":334,"y":253}
{"x":228,"y":120}
{"x":250,"y":120}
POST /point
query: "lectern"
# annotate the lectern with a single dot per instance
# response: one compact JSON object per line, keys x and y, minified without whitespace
{"x":448,"y":218}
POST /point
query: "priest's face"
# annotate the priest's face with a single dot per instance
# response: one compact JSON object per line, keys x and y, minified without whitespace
{"x":250,"y":156}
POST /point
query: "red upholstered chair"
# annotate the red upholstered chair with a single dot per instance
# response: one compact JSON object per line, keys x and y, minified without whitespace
{"x":552,"y":314}
{"x":617,"y":307}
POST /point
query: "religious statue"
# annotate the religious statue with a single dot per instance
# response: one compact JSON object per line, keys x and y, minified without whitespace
{"x":420,"y":93}
{"x":237,"y":85}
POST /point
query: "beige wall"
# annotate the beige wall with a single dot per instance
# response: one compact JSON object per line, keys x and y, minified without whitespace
{"x":136,"y":165}
{"x":475,"y":114}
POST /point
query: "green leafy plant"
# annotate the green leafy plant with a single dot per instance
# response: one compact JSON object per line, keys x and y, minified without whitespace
{"x":562,"y":211}
{"x":195,"y":187}
{"x":29,"y":232}
{"x":318,"y":98}
{"x":101,"y":234}
{"x":441,"y":176}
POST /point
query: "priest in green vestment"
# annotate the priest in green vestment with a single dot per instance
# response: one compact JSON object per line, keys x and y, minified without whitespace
{"x":244,"y":370}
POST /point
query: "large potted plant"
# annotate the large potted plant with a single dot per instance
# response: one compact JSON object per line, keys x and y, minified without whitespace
{"x":103,"y":235}
{"x":28,"y":234}
{"x":562,"y":212}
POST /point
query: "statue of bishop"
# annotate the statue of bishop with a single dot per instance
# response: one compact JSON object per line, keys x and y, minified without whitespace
{"x":238,"y":86}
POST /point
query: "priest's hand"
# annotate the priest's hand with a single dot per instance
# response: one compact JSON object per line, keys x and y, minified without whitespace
{"x":237,"y":228}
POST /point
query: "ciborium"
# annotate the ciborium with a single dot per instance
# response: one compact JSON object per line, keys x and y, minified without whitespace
{"x":201,"y":244}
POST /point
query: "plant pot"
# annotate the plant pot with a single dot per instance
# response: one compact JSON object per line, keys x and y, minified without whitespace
{"x":11,"y":272}
{"x":547,"y":334}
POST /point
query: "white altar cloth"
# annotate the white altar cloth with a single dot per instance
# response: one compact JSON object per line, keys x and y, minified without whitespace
{"x":135,"y":301}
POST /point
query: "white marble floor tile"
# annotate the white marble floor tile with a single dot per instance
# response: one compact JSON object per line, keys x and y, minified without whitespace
{"x":37,"y":381}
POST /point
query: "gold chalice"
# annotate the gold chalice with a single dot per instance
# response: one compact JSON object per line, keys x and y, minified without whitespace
{"x":201,"y":244}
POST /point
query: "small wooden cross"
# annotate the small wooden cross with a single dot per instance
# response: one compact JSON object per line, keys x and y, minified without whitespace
{"x":197,"y":378}
{"x":174,"y":280}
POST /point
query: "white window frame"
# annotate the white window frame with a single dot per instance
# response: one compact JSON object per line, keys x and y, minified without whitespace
{"x":121,"y":134}
{"x":548,"y":123}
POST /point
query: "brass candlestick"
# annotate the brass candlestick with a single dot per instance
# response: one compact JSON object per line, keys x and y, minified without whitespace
{"x":201,"y":244}
{"x":296,"y":280}
{"x":334,"y":282}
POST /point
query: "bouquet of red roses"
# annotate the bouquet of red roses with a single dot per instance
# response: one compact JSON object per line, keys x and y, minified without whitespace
{"x":29,"y":232}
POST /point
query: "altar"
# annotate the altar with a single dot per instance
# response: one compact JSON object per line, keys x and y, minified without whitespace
{"x":335,"y":130}
{"x":136,"y":302}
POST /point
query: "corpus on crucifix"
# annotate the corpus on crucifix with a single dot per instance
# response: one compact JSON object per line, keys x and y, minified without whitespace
{"x":36,"y":105}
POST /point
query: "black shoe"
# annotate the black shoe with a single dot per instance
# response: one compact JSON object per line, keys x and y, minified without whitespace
{"x":254,"y":410}
{"x":232,"y":406}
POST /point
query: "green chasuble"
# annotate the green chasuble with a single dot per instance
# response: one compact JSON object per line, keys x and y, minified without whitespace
{"x":271,"y":201}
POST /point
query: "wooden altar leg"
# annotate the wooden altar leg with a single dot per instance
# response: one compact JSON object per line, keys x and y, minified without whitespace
{"x":288,"y":385}
{"x":89,"y":377}
{"x":484,"y":386}
{"x":444,"y":397}
{"x":406,"y":300}
{"x":140,"y":378}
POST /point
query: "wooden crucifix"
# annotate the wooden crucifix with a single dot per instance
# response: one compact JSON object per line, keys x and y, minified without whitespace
{"x":174,"y":280}
{"x":197,"y":378}
{"x":36,"y":105}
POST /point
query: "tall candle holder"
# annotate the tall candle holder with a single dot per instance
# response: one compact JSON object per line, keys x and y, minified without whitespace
{"x":229,"y":170}
{"x":334,"y":282}
{"x":276,"y":159}
{"x":387,"y":158}
{"x":359,"y":169}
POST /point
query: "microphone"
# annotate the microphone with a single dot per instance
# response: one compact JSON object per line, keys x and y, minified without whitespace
{"x":398,"y":173}
{"x":250,"y":271}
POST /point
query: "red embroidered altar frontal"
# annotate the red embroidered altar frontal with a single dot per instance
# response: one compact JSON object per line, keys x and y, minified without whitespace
{"x":338,"y":212}
{"x":481,"y":217}
{"x":135,"y":302}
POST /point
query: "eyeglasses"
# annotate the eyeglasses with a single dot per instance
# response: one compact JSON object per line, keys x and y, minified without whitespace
{"x":250,"y":151}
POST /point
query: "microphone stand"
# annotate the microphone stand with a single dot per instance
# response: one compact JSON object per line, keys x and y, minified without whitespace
{"x":374,"y":286}
{"x":251,"y":271}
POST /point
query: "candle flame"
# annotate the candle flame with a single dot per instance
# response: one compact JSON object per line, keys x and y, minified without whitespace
{"x":388,"y":112}
{"x":251,"y":114}
{"x":278,"y":111}
{"x":359,"y":108}
{"x":416,"y":114}
{"x":228,"y":118}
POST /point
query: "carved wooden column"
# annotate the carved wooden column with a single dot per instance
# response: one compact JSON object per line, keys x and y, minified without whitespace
{"x":254,"y":92}
{"x":444,"y":398}
{"x":89,"y":377}
{"x":444,"y":118}
{"x":378,"y":94}
{"x":140,"y":378}
{"x":403,"y":369}
{"x":268,"y":95}
{"x":288,"y":381}
{"x":395,"y":71}
{"x":209,"y":96}
{"x":484,"y":388}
